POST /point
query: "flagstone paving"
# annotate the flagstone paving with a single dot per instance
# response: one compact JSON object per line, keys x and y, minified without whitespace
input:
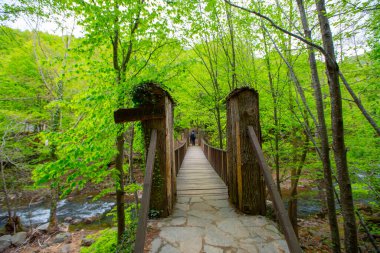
{"x":204,"y":221}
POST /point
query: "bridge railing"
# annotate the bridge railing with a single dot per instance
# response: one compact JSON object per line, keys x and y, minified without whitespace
{"x":179,"y":153}
{"x":217,"y":158}
{"x":279,"y":207}
{"x":143,"y":214}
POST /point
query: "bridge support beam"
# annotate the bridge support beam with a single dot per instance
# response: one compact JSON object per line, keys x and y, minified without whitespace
{"x":163,"y":192}
{"x":246,"y":188}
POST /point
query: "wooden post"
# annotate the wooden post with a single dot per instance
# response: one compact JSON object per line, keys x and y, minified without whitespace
{"x":163,"y":194}
{"x":187,"y":138}
{"x":245,"y":181}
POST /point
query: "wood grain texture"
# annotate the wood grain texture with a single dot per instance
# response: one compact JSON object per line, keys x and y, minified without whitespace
{"x":196,"y":177}
{"x":143,"y":214}
{"x":136,"y":114}
{"x":245,"y":180}
{"x":238,"y":166}
{"x":282,"y":214}
{"x":163,"y":193}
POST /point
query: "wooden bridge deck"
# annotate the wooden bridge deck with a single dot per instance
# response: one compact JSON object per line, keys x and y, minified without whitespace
{"x":197,"y":178}
{"x":204,"y":221}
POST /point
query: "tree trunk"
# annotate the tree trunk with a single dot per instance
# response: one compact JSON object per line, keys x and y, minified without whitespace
{"x":54,"y":186}
{"x":53,"y":219}
{"x":120,"y":185}
{"x":232,"y":36}
{"x":132,"y":136}
{"x":7,"y":201}
{"x":360,"y":105}
{"x":322,"y":131}
{"x":350,"y":239}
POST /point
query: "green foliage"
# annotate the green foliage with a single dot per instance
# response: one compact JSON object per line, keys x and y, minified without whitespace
{"x":105,"y":242}
{"x":185,"y":46}
{"x":131,"y":188}
{"x":374,"y":41}
{"x":154,"y":214}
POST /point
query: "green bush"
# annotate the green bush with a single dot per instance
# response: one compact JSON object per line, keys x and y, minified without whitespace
{"x":105,"y":242}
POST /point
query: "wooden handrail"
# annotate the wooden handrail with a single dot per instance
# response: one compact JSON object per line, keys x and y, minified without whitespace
{"x":143,"y":214}
{"x":282,"y":215}
{"x":219,"y":149}
{"x":217,"y":158}
{"x":179,"y":154}
{"x":180,"y":146}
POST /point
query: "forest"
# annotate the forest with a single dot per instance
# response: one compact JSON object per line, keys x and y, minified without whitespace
{"x":72,"y":63}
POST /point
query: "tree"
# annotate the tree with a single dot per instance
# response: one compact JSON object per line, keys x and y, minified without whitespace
{"x":125,"y":26}
{"x":350,"y":238}
{"x":322,"y":132}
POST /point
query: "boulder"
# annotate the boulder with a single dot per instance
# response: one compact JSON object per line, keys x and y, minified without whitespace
{"x":61,"y":237}
{"x":90,"y":220}
{"x":64,"y":227}
{"x":68,"y":219}
{"x":19,"y":238}
{"x":43,"y":227}
{"x":45,"y":245}
{"x":5,"y":242}
{"x":76,"y":221}
{"x":66,"y":248}
{"x":86,"y":242}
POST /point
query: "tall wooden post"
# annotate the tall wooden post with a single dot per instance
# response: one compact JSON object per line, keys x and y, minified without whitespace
{"x":155,"y":111}
{"x":163,"y":192}
{"x":245,"y":181}
{"x":187,"y":138}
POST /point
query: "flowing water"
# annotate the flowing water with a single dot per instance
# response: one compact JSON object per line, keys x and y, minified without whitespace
{"x":76,"y":209}
{"x":307,"y":205}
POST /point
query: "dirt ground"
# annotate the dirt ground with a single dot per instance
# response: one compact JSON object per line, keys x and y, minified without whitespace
{"x":44,"y":244}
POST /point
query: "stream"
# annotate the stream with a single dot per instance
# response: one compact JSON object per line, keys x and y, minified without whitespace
{"x":38,"y":213}
{"x":308,"y":203}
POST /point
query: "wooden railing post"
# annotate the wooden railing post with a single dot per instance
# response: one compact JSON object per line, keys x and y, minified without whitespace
{"x":143,"y":214}
{"x":187,"y":138}
{"x":245,"y":182}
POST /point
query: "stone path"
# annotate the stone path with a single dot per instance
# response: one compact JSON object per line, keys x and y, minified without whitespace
{"x":204,"y":221}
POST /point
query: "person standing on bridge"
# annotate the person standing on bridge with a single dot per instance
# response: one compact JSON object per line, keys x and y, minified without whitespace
{"x":192,"y":137}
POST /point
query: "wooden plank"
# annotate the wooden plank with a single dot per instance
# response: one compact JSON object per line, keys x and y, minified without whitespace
{"x":143,"y":214}
{"x":141,"y":113}
{"x":203,"y":191}
{"x":282,"y":214}
{"x":197,"y":178}
{"x":203,"y":187}
{"x":215,"y":181}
